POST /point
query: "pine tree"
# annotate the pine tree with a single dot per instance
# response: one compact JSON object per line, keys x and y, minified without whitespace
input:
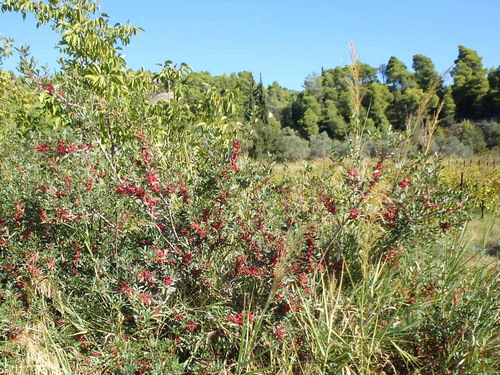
{"x":397,"y":75}
{"x":425,"y":73}
{"x":470,"y":83}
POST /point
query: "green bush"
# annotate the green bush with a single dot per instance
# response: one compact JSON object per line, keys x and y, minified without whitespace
{"x":266,"y":138}
{"x":292,"y":147}
{"x":451,"y":146}
{"x":491,"y":132}
{"x":320,"y":145}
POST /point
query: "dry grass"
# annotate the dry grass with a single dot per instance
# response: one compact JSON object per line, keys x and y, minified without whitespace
{"x":483,"y":234}
{"x":34,"y":352}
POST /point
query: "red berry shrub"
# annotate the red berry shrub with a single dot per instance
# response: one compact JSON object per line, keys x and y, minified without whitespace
{"x":148,"y":244}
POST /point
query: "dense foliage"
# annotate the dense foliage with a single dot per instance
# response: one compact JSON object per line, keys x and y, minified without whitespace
{"x":137,"y":236}
{"x":287,"y":123}
{"x":323,"y":108}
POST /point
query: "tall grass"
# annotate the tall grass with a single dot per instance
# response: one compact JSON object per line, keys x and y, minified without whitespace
{"x":432,"y":311}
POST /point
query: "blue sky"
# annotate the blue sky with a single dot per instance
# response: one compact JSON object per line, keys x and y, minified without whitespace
{"x":286,"y":40}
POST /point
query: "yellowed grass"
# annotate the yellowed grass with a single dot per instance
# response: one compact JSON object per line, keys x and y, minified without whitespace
{"x":484,"y":233}
{"x":32,"y":352}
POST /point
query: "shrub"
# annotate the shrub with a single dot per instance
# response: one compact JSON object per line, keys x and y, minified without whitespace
{"x":491,"y":132}
{"x":320,"y":145}
{"x":265,"y":139}
{"x":196,"y":257}
{"x":340,"y":149}
{"x":292,"y":147}
{"x":452,"y":146}
{"x":472,"y":137}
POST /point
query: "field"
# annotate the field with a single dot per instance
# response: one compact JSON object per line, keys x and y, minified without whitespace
{"x":478,"y":177}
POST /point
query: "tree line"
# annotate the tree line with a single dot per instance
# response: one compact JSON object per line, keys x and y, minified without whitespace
{"x":317,"y":120}
{"x":297,"y":124}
